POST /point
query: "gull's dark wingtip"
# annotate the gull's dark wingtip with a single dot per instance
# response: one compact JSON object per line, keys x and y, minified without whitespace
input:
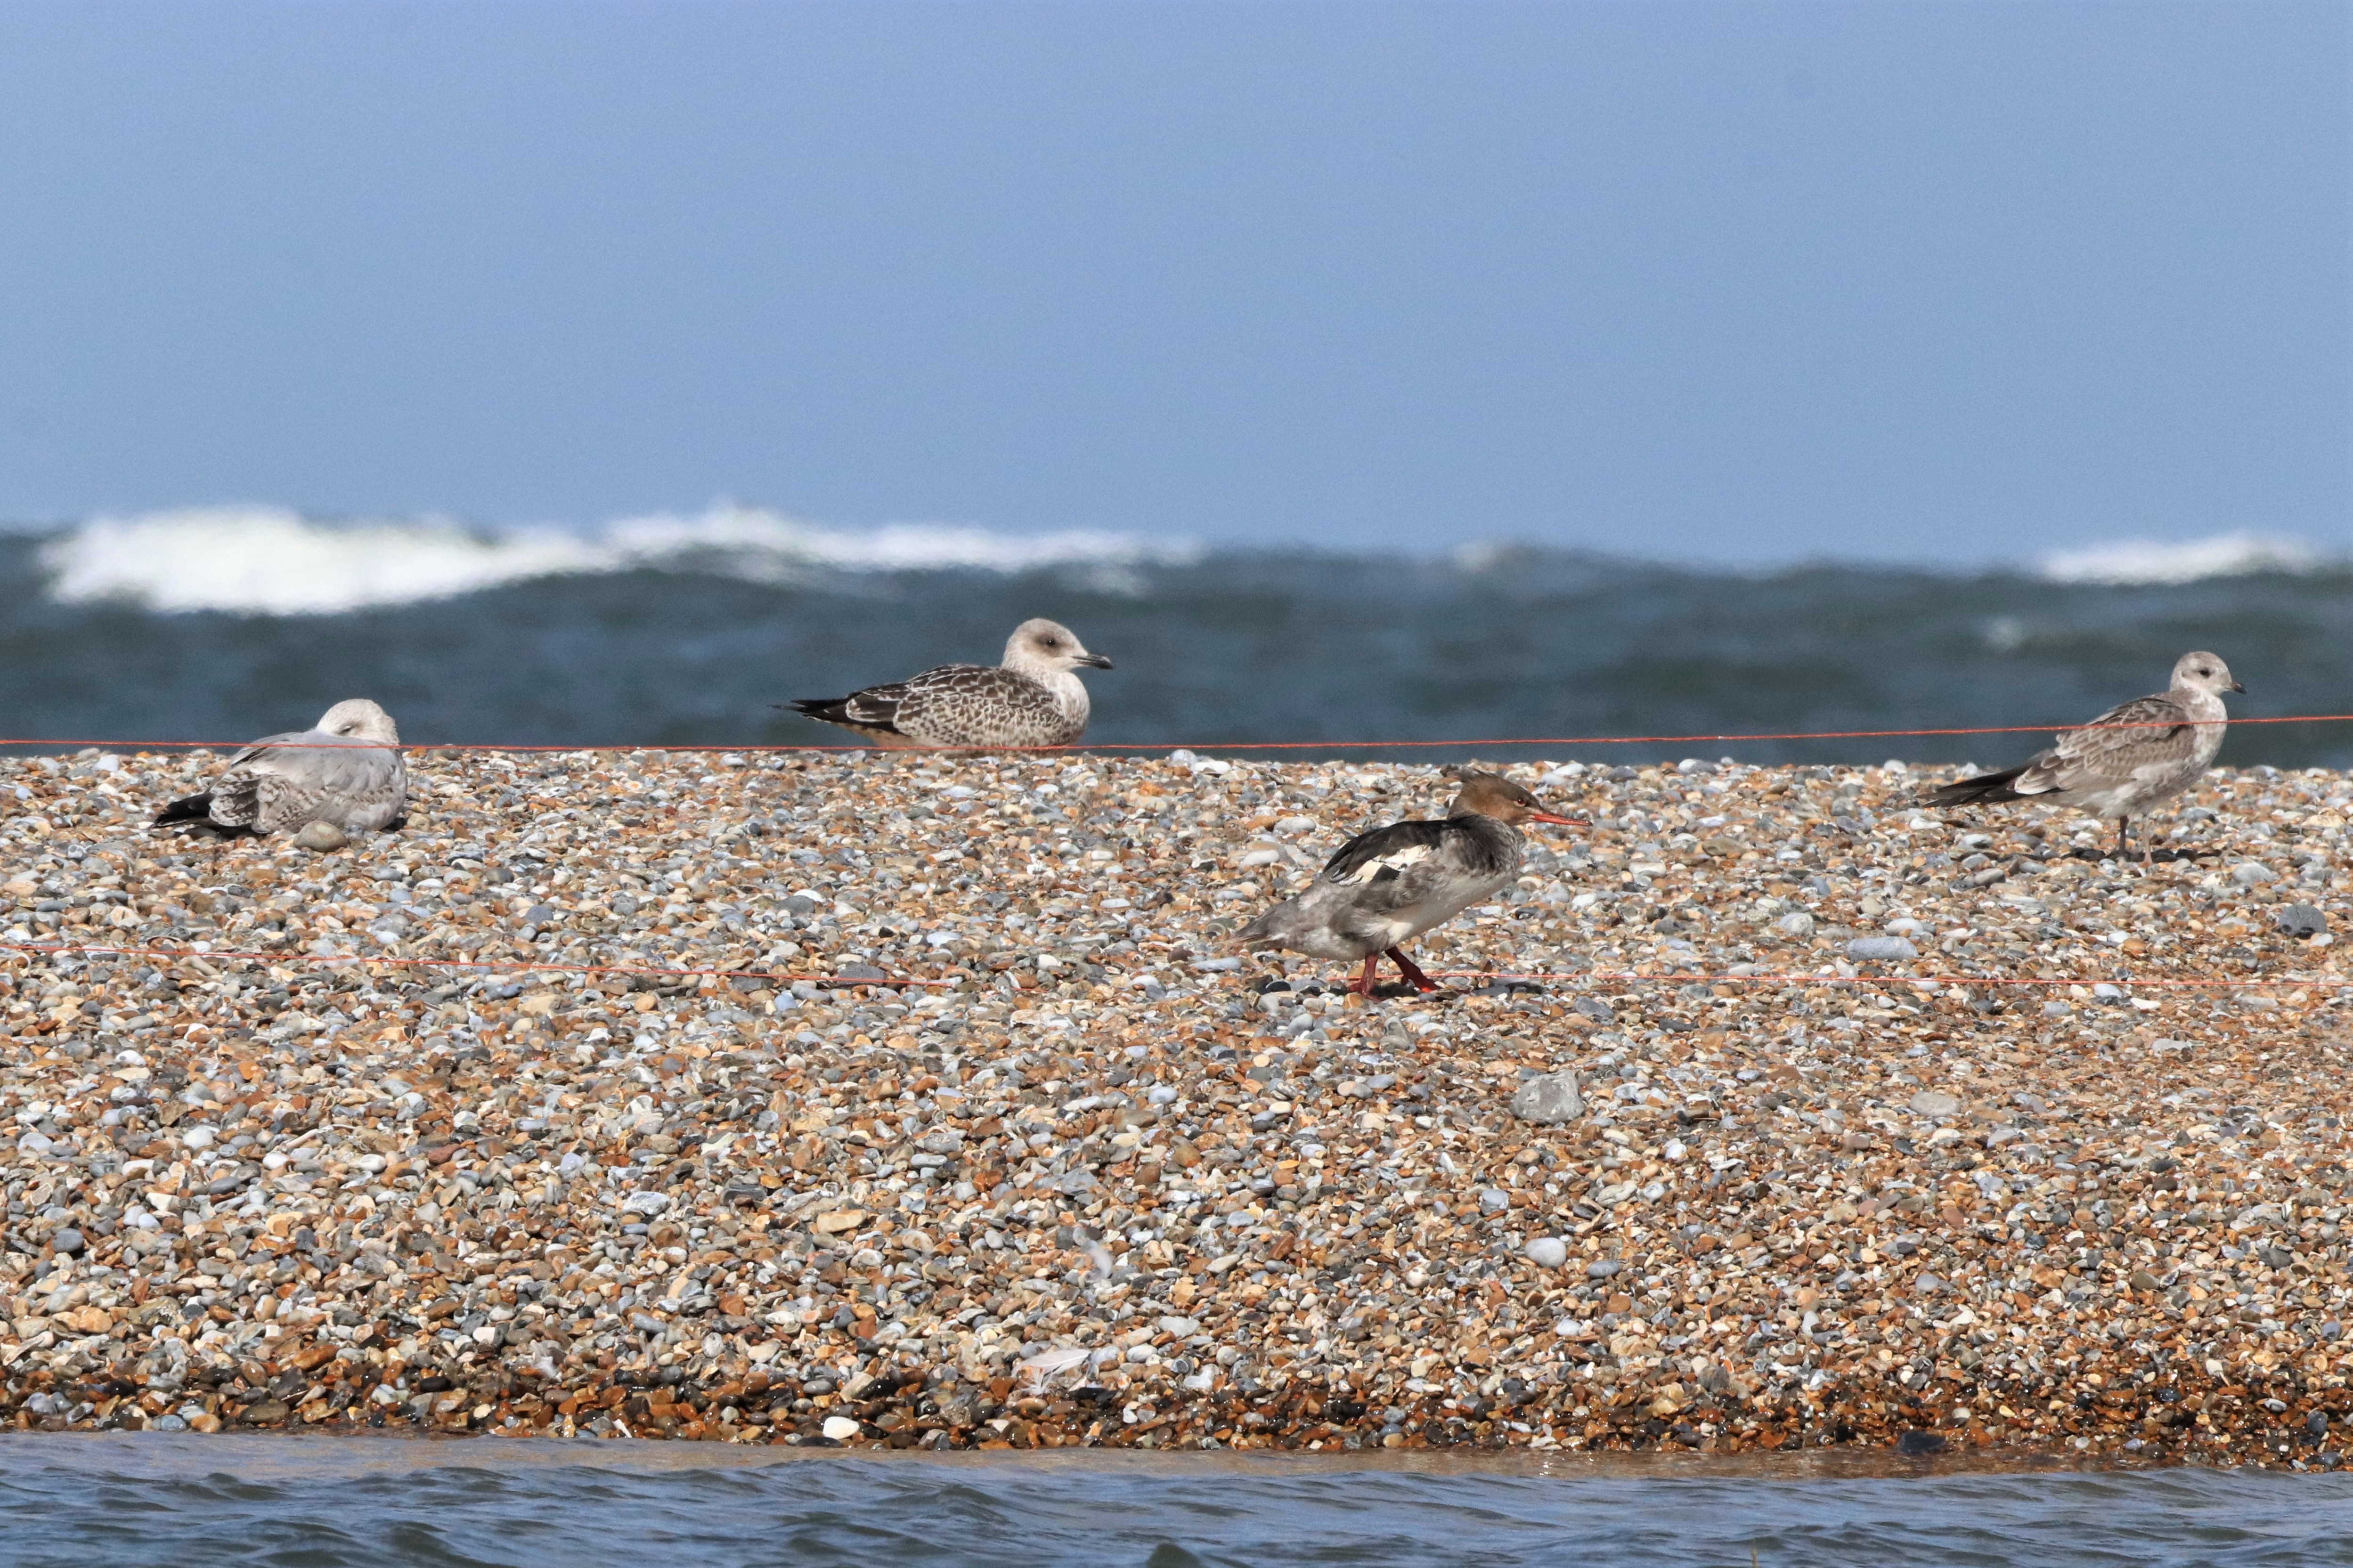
{"x":187,"y":808}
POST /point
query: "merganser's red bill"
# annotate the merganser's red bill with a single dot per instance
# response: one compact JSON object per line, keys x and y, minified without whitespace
{"x":1562,"y":821}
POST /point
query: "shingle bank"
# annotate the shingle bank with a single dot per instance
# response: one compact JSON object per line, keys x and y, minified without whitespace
{"x":1097,"y":1188}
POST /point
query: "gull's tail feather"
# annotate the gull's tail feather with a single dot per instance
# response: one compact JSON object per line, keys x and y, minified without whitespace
{"x":846,"y":711}
{"x":1984,"y":787}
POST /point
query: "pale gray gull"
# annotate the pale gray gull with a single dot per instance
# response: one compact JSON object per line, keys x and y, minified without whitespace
{"x":1390,"y":884}
{"x":346,"y":769}
{"x":1034,"y":698}
{"x":2132,"y":757}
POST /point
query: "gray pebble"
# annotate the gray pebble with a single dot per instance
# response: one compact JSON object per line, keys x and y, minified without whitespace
{"x":1934,"y":1102}
{"x":1883,"y":948}
{"x":1549,"y":1098}
{"x":2301,"y":920}
{"x":1547,"y":1252}
{"x":321,"y":837}
{"x":69,"y":1241}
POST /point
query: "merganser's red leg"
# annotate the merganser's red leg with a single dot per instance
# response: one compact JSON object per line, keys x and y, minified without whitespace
{"x":1413,"y":976}
{"x":1363,"y":985}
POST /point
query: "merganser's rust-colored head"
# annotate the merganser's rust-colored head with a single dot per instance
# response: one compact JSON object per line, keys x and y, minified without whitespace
{"x":1491,"y":794}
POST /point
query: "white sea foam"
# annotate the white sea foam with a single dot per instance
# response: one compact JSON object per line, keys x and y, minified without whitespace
{"x":268,"y":560}
{"x":2133,"y":560}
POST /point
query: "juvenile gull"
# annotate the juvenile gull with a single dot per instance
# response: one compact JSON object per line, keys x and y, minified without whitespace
{"x":2125,"y":761}
{"x":347,"y":770}
{"x":1032,"y":698}
{"x":1391,"y":884}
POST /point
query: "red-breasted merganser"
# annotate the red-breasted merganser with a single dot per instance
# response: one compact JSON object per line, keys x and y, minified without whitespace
{"x":1391,"y":884}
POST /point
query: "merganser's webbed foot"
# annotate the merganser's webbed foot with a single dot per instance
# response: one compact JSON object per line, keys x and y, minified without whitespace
{"x":1363,"y":984}
{"x":1412,"y":973}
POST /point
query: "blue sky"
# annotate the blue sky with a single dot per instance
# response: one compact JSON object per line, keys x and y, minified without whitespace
{"x":1748,"y":282}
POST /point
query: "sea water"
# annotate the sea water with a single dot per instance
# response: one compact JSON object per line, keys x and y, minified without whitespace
{"x":140,"y":1498}
{"x":223,"y":625}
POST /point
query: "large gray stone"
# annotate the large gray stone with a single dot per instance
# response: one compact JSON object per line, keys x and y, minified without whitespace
{"x":1884,"y":949}
{"x":1549,"y":1098}
{"x":1935,"y":1103}
{"x":2301,"y":920}
{"x":321,"y":837}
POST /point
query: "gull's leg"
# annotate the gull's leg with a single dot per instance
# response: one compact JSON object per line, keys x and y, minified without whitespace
{"x":1413,"y":976}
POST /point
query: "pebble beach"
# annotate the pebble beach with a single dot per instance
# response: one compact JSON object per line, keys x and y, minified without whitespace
{"x":923,"y":1102}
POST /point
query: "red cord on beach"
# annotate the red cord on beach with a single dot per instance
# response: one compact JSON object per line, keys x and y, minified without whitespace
{"x":325,"y":959}
{"x":768,"y":748}
{"x":1627,"y":977}
{"x":1834,"y":978}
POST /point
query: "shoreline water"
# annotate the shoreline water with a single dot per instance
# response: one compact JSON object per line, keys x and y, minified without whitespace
{"x":1232,"y":646}
{"x":1098,"y":1190}
{"x":120,"y":1498}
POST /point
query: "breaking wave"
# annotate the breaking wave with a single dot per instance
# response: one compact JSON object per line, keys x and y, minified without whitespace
{"x":267,"y":561}
{"x":2134,"y":562}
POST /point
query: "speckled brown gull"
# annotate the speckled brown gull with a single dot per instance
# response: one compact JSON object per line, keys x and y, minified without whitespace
{"x":1034,"y":698}
{"x":330,"y":772}
{"x":2132,"y":757}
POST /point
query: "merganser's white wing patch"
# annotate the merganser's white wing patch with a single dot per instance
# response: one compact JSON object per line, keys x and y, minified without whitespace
{"x":1374,"y":867}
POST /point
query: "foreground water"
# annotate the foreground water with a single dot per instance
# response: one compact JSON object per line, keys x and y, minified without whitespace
{"x":147,"y":1498}
{"x":225,"y":626}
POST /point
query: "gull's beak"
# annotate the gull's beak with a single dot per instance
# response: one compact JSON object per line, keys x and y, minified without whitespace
{"x":1095,"y":661}
{"x":2240,"y":687}
{"x":1562,"y":821}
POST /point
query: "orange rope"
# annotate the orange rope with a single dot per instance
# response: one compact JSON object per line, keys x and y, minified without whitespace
{"x":1214,"y":746}
{"x":1596,"y":977}
{"x":1834,"y":978}
{"x":177,"y":953}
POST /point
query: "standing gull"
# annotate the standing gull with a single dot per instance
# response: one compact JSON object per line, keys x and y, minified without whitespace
{"x":1032,"y":698}
{"x":1391,"y":884}
{"x":345,"y":770}
{"x":2125,"y":761}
